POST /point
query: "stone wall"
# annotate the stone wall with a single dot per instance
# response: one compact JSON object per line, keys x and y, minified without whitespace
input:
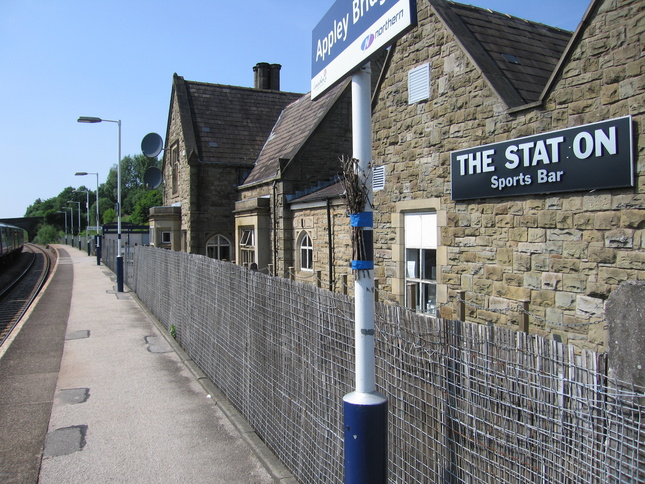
{"x":206,"y":191}
{"x":565,"y":253}
{"x":174,"y":138}
{"x":317,"y":160}
{"x":314,"y":221}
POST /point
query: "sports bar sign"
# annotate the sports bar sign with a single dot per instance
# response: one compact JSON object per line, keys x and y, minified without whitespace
{"x":350,"y":32}
{"x":589,"y":157}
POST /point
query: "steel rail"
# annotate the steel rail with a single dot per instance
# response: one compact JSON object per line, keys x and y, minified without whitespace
{"x":33,"y":293}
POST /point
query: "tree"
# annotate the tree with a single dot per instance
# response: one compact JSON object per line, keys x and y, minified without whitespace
{"x":133,"y":169}
{"x":133,"y":193}
{"x":109,"y":216}
{"x":145,"y":201}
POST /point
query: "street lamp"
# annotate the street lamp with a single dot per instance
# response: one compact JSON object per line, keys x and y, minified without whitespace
{"x":87,"y":215}
{"x":71,"y":218}
{"x":119,"y":253}
{"x":79,"y":221}
{"x":83,"y":173}
{"x":64,"y":213}
{"x":97,"y":247}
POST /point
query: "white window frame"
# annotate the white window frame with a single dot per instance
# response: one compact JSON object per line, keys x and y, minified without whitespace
{"x":216,"y":243}
{"x":306,"y":251}
{"x":421,"y":232}
{"x":247,"y":246}
{"x":166,"y":237}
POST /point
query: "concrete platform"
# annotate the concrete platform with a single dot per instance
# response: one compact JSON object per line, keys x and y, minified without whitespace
{"x":128,"y":405}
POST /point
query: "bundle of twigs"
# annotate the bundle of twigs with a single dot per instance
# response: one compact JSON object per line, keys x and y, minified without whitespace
{"x":355,"y":190}
{"x":356,"y":198}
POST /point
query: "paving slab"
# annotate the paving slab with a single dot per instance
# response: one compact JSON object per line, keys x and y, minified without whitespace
{"x":147,"y":419}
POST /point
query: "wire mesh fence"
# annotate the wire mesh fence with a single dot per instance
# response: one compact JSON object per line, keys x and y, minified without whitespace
{"x":467,"y":402}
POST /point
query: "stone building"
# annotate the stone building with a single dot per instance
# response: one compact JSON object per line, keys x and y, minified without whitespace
{"x":213,"y":137}
{"x":301,"y":158}
{"x":509,"y":156}
{"x":454,"y":225}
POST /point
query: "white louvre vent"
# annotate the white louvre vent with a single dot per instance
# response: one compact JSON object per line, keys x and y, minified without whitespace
{"x":378,"y":178}
{"x":419,"y":84}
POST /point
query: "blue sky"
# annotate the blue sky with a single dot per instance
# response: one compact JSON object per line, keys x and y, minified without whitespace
{"x":115,"y":60}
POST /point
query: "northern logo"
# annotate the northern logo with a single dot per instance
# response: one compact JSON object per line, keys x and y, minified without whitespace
{"x":367,"y":42}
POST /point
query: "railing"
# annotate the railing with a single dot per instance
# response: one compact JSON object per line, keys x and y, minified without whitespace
{"x":467,"y":402}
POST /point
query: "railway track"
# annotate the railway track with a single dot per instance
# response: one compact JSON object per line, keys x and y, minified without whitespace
{"x":20,"y":287}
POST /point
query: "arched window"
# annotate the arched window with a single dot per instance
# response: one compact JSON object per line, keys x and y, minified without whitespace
{"x":306,"y":253}
{"x":218,"y":247}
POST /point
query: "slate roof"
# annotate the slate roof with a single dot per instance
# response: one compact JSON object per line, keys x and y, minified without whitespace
{"x":327,"y":191}
{"x":227,"y":124}
{"x":516,"y":56}
{"x":294,"y":126}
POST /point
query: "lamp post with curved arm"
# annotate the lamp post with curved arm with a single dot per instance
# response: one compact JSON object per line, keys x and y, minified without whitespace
{"x":97,"y":247}
{"x":87,"y":215}
{"x":79,"y":222}
{"x":119,"y":252}
{"x":65,"y":214}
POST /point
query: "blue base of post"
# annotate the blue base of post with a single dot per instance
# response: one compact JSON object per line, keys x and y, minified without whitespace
{"x":119,"y":273}
{"x":365,"y":423}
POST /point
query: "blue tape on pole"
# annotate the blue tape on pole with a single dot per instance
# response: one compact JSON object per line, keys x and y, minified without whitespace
{"x":362,"y":265}
{"x":363,"y":219}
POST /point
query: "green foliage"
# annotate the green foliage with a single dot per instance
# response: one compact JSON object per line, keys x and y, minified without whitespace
{"x":136,"y":199}
{"x":109,"y":216}
{"x":132,"y":186}
{"x":47,"y":234}
{"x":145,"y":201}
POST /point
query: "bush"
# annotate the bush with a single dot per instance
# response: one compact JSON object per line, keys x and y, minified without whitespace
{"x":47,"y":234}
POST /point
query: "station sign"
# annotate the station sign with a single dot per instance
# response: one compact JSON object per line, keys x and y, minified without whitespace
{"x":584,"y":158}
{"x":352,"y":31}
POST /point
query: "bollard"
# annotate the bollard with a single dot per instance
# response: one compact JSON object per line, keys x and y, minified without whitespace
{"x":119,"y":273}
{"x":365,"y":423}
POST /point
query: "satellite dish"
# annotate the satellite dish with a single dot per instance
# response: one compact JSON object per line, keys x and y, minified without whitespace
{"x":153,"y":177}
{"x":152,"y":145}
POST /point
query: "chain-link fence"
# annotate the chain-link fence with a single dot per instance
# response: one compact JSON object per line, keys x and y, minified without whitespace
{"x":467,"y":402}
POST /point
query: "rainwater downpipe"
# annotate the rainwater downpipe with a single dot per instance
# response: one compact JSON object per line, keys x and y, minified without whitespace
{"x":275,"y":230}
{"x":330,"y":246}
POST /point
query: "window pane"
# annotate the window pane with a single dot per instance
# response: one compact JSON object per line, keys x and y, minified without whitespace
{"x":429,"y":231}
{"x":429,"y":298}
{"x":413,"y":230}
{"x":429,"y":265}
{"x":412,"y":263}
{"x":306,"y":253}
{"x":412,"y":295}
{"x":247,"y":238}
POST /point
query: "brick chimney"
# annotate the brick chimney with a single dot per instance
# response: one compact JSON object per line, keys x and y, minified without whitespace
{"x":267,"y":76}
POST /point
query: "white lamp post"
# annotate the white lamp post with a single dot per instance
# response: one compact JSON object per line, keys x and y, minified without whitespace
{"x":97,"y":247}
{"x":83,"y":173}
{"x":79,"y":221}
{"x":119,"y":253}
{"x":71,"y":218}
{"x":87,"y":215}
{"x":64,"y":213}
